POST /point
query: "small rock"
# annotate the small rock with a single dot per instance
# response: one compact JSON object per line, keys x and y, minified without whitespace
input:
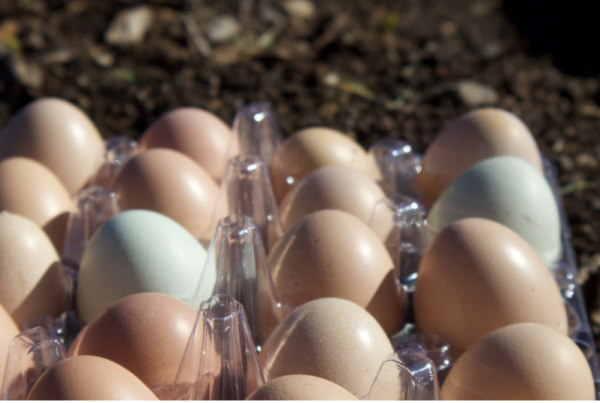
{"x":474,"y":94}
{"x":129,"y":26}
{"x":222,"y":28}
{"x":304,"y":9}
{"x":25,"y":72}
{"x":60,"y":56}
{"x":585,"y":160}
{"x":102,"y":58}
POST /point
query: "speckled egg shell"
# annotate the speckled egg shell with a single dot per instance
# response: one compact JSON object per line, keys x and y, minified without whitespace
{"x":331,"y":253}
{"x":478,"y":276}
{"x":301,"y":387}
{"x":329,"y":338}
{"x":521,"y":362}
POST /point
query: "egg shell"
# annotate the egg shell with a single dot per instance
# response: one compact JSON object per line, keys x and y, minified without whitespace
{"x":8,"y":333}
{"x":57,"y":134}
{"x":301,"y":387}
{"x":474,"y":137}
{"x":330,"y":338}
{"x":197,"y":133}
{"x":89,"y":378}
{"x":30,"y":189}
{"x":331,"y":253}
{"x":170,"y":183}
{"x":145,"y":333}
{"x":478,"y":276}
{"x":507,"y":190}
{"x":521,"y":362}
{"x":31,"y":280}
{"x":310,"y":149}
{"x":134,"y":252}
{"x":331,"y":187}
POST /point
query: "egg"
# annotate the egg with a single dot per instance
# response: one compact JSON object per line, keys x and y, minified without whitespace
{"x":507,"y":190}
{"x":8,"y":333}
{"x":316,"y":147}
{"x":134,"y":252}
{"x":331,"y":253}
{"x":170,"y":183}
{"x":145,"y":333}
{"x":331,"y":187}
{"x":333,"y":339}
{"x":478,"y":276}
{"x":57,"y":134}
{"x":31,"y":280}
{"x":197,"y":133}
{"x":89,"y":378}
{"x":29,"y":189}
{"x":301,"y":387}
{"x":521,"y":362}
{"x":473,"y":137}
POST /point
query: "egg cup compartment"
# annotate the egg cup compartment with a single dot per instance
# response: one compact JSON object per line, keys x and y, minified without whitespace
{"x":30,"y":354}
{"x":220,"y":360}
{"x":119,"y":149}
{"x":565,"y":273}
{"x":237,"y":265}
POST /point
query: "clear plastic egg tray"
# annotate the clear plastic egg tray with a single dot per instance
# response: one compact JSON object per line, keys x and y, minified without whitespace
{"x":220,"y":362}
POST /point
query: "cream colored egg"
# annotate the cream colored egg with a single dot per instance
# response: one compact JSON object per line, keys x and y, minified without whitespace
{"x":521,"y":362}
{"x":57,"y":134}
{"x":332,"y":339}
{"x":310,"y":149}
{"x":301,"y":387}
{"x":478,"y":276}
{"x":473,"y":137}
{"x":331,"y":253}
{"x":331,"y":187}
{"x":31,"y":280}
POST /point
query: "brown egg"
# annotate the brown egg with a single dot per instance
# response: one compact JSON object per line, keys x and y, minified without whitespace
{"x":330,"y":338}
{"x":31,"y":281}
{"x":29,"y":189}
{"x":145,"y":333}
{"x":473,"y":137}
{"x":197,"y":133}
{"x":8,"y":333}
{"x":89,"y":378}
{"x":478,"y":276}
{"x":169,"y":183}
{"x":57,"y":134}
{"x":301,"y":387}
{"x":310,"y":149}
{"x":525,"y":361}
{"x":331,"y":253}
{"x":331,"y":187}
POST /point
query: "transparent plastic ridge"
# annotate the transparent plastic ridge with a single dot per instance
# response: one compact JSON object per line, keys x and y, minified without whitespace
{"x":30,"y":354}
{"x":220,"y":361}
{"x":257,"y":133}
{"x":119,"y":150}
{"x":246,"y":190}
{"x":400,"y":221}
{"x":236,"y":264}
{"x":414,"y":377}
{"x":397,"y":167}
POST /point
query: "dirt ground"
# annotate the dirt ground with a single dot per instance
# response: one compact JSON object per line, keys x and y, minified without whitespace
{"x":371,"y":68}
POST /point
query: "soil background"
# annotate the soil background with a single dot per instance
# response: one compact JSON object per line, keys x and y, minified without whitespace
{"x":370,"y":68}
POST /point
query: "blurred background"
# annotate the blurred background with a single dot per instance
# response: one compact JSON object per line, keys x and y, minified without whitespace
{"x":371,"y":68}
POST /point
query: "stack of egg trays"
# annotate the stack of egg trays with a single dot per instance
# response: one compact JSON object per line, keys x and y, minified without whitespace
{"x":565,"y":273}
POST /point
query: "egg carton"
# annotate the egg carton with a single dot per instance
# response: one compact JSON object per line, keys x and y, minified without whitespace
{"x":241,"y":300}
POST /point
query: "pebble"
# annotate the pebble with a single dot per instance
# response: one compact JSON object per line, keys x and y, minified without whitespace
{"x":473,"y":93}
{"x":129,"y":26}
{"x":222,"y":28}
{"x":304,"y":9}
{"x":25,"y":72}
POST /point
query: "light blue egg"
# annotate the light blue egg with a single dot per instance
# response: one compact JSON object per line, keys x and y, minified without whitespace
{"x":509,"y":191}
{"x":138,"y":251}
